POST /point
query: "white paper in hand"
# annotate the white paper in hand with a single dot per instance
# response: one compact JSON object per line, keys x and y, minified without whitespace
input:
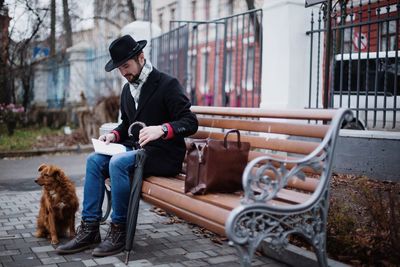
{"x":110,"y":149}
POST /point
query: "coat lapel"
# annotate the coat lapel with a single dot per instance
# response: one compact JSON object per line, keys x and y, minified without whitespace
{"x":148,"y":89}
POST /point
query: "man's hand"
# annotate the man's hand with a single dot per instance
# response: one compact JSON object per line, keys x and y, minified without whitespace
{"x":108,"y":138}
{"x":149,"y":133}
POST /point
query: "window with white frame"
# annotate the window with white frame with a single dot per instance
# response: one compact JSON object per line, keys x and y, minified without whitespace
{"x":248,"y":68}
{"x":204,"y":88}
{"x":173,"y":12}
{"x":388,"y":36}
{"x":193,"y":71}
{"x":347,"y":40}
{"x":229,"y":80}
{"x":160,"y":20}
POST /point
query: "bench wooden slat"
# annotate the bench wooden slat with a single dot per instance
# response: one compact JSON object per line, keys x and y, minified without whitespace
{"x":309,"y":185}
{"x":226,"y":201}
{"x":300,"y":114}
{"x":255,"y":154}
{"x":284,"y":145}
{"x":186,"y":215}
{"x":294,"y":197}
{"x":307,"y":130}
{"x":187,"y":203}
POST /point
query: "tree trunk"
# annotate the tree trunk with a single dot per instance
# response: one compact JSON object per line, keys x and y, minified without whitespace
{"x":53,"y":28}
{"x":254,"y":20}
{"x":131,"y":7}
{"x":67,"y":24}
{"x":4,"y":43}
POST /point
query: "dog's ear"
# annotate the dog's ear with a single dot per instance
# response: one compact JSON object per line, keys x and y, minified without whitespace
{"x":41,"y":167}
{"x":56,"y":173}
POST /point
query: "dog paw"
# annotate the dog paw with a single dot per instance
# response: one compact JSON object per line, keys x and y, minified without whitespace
{"x":54,"y":241}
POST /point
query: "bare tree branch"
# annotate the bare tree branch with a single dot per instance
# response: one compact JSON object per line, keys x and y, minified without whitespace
{"x":20,"y":58}
{"x":107,"y":20}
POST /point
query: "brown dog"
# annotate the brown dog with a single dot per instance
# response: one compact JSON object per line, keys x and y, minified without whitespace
{"x":58,"y":204}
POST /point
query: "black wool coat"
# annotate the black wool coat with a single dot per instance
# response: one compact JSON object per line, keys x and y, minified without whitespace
{"x":161,"y":101}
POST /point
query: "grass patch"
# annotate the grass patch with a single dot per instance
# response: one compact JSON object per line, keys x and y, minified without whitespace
{"x":23,"y":138}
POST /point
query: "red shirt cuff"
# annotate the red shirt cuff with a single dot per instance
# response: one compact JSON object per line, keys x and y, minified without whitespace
{"x":116,"y":133}
{"x":170,"y":134}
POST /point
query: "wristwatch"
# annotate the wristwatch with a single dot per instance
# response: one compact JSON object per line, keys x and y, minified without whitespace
{"x":164,"y":128}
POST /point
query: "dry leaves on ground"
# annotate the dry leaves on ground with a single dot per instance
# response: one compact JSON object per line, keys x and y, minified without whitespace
{"x":60,"y":140}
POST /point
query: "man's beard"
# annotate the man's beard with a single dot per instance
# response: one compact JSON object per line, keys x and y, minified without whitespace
{"x":132,"y":78}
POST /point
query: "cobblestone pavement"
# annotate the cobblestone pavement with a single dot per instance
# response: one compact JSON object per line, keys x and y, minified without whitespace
{"x":158,"y":242}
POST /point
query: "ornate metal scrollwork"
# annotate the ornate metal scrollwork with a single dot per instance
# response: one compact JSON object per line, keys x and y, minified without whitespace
{"x":255,"y":220}
{"x":254,"y":223}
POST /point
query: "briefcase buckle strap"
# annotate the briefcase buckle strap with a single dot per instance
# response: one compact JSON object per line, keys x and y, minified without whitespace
{"x":200,"y":150}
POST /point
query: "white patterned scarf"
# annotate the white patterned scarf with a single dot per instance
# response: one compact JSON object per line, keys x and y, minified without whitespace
{"x":136,"y":86}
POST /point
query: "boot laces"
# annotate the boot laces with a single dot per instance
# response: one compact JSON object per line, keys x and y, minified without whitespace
{"x":82,"y":231}
{"x":113,"y":233}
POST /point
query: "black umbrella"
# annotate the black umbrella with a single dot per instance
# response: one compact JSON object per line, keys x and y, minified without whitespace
{"x":134,"y":198}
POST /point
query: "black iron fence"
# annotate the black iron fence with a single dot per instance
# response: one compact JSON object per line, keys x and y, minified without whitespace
{"x":364,"y":61}
{"x":218,"y":61}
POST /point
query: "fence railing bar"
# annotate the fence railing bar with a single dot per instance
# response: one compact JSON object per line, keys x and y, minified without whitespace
{"x":237,"y":78}
{"x":367,"y":65}
{"x":242,"y":64}
{"x":396,"y":64}
{"x":377,"y":67}
{"x":261,"y":56}
{"x":311,"y":59}
{"x":247,"y":62}
{"x":224,"y":65}
{"x":318,"y":58}
{"x":349,"y":82}
{"x":359,"y":62}
{"x":385,"y":85}
{"x":253,"y":78}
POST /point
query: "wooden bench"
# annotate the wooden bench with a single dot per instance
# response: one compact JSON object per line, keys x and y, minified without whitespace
{"x":286,"y":182}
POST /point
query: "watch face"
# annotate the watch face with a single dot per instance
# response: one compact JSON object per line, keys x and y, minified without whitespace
{"x":165,"y":130}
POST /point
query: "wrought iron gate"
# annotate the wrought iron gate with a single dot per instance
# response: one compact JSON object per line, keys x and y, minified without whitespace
{"x":364,"y":61}
{"x":217,"y":61}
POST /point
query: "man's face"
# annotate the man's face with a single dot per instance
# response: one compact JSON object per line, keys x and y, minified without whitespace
{"x":131,"y":69}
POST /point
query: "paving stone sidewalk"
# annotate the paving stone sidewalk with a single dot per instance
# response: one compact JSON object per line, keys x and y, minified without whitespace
{"x":158,"y":242}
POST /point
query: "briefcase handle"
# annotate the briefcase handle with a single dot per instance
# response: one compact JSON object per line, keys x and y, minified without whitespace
{"x":238,"y":137}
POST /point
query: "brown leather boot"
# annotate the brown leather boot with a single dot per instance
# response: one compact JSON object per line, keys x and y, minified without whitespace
{"x":114,"y":242}
{"x":87,"y":236}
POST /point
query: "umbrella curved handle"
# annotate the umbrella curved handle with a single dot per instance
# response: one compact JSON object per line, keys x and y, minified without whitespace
{"x":130,"y":134}
{"x":141,"y":124}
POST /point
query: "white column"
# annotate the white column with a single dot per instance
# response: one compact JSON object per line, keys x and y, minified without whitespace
{"x":285,"y":54}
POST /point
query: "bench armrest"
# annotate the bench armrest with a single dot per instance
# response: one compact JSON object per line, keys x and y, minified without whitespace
{"x":259,"y":186}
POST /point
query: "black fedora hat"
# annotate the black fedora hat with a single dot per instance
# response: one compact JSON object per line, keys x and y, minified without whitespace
{"x":123,"y":49}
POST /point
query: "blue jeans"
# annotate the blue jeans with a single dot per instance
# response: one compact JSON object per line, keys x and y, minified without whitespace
{"x":99,"y":167}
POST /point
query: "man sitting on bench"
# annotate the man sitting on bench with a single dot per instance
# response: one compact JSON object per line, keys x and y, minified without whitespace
{"x":157,"y":100}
